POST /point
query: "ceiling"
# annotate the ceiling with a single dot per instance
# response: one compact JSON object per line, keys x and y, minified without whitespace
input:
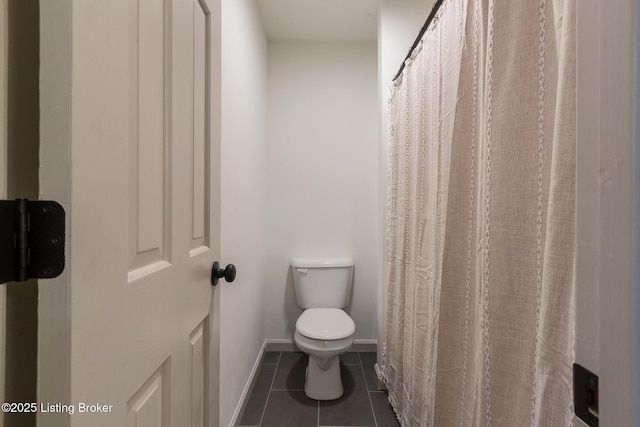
{"x":320,"y":20}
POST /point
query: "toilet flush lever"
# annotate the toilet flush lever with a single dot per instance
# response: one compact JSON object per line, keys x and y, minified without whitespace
{"x":229,"y":273}
{"x":303,"y":270}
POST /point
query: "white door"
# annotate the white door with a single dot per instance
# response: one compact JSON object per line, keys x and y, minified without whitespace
{"x":128,"y":335}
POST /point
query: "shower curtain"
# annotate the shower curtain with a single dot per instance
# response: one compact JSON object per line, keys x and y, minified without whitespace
{"x":480,"y":322}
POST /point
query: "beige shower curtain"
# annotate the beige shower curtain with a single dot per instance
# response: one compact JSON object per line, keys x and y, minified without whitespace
{"x":480,"y":322}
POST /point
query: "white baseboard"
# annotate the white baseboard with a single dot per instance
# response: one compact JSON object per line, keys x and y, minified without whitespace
{"x":363,"y":345}
{"x":281,"y":345}
{"x":248,"y":388}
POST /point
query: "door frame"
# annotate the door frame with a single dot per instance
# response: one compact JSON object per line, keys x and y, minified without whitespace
{"x":605,"y":211}
{"x":54,"y":320}
{"x":3,"y":173}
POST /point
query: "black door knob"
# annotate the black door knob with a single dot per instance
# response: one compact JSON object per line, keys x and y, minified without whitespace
{"x":229,"y":273}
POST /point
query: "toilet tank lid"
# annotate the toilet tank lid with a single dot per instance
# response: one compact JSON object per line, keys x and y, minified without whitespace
{"x":310,"y":262}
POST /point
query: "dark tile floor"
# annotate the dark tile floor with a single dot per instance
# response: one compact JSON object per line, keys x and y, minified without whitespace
{"x":278,"y":398}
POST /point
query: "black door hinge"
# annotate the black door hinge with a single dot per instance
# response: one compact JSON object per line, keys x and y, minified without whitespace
{"x":31,"y":240}
{"x":585,"y":395}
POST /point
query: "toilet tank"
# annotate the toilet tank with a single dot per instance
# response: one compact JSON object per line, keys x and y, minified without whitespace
{"x":322,"y":282}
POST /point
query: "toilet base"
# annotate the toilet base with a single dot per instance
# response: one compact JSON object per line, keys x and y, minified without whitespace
{"x":323,"y":381}
{"x":323,"y":384}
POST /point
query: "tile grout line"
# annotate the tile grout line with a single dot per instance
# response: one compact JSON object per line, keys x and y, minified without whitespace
{"x":366,"y":386}
{"x":269,"y":394}
{"x":318,"y":403}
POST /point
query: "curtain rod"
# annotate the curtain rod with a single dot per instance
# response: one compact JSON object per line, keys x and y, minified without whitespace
{"x":435,"y":8}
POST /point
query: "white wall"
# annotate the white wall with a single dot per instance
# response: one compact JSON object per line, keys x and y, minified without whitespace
{"x":322,"y":173}
{"x":605,"y":216}
{"x":400,"y":22}
{"x":242,"y":331}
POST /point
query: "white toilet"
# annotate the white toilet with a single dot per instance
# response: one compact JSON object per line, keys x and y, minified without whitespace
{"x":323,"y":330}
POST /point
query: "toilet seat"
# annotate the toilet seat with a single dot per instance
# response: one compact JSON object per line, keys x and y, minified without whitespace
{"x":325,"y":324}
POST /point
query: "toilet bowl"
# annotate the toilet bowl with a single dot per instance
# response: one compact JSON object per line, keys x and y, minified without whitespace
{"x":324,"y":334}
{"x":323,"y":330}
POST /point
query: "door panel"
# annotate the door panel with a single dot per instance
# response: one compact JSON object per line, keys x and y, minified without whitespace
{"x":200,"y":187}
{"x":150,"y":406}
{"x":199,"y":367}
{"x":149,"y":183}
{"x":142,"y":336}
